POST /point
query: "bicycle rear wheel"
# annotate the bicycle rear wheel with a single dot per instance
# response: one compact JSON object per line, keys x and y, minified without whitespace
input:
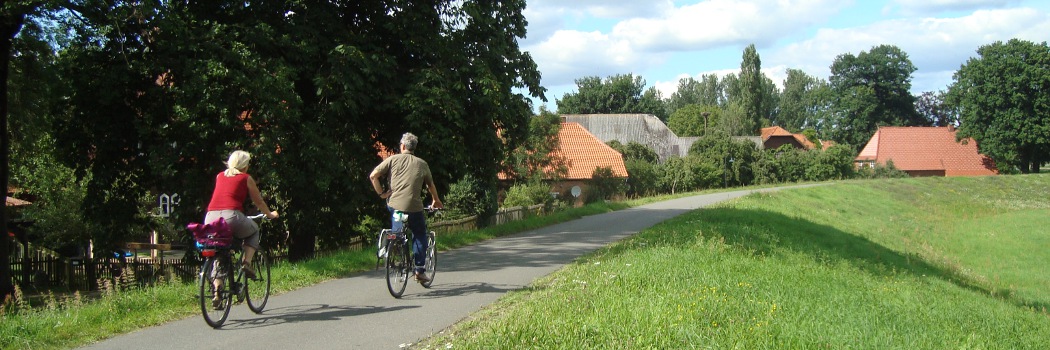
{"x":215,"y":313}
{"x":431,"y":264}
{"x":397,"y":267}
{"x":257,"y":290}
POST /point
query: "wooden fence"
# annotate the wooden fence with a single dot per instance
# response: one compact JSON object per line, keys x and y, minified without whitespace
{"x":39,"y":269}
{"x":504,"y":215}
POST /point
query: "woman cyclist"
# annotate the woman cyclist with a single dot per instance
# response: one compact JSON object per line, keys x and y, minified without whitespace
{"x":232,"y":186}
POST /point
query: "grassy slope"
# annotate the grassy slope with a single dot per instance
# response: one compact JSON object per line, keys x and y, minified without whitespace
{"x":909,"y":263}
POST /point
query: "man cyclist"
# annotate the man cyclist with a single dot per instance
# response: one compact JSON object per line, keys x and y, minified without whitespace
{"x":408,"y":175}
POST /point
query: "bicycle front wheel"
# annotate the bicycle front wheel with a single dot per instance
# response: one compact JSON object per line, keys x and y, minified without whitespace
{"x":397,"y":267}
{"x":257,"y":290}
{"x":431,"y":264}
{"x":215,"y":301}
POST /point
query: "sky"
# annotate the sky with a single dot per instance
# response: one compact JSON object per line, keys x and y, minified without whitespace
{"x":663,"y":41}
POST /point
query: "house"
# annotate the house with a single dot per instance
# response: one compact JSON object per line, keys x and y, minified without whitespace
{"x":925,"y":151}
{"x":773,"y":137}
{"x":645,"y":129}
{"x":584,"y":152}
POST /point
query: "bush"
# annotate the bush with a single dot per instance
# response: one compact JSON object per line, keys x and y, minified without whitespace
{"x":464,"y":198}
{"x":603,"y":185}
{"x":529,"y":194}
{"x":880,"y":171}
{"x":643,"y":179}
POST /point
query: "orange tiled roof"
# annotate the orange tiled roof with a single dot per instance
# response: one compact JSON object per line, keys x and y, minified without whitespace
{"x":586,"y":152}
{"x":926,"y":148}
{"x":774,"y":131}
{"x":778,"y":131}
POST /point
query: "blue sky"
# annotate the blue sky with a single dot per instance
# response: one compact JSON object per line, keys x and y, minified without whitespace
{"x":663,"y":40}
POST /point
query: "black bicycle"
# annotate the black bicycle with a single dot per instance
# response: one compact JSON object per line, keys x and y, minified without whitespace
{"x":395,"y":248}
{"x":220,"y":281}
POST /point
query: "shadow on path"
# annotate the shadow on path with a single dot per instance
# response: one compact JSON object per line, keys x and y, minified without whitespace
{"x":307,"y":313}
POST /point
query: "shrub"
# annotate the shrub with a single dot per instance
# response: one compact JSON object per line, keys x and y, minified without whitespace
{"x":643,"y":179}
{"x":464,"y":198}
{"x":603,"y":185}
{"x":528,"y":194}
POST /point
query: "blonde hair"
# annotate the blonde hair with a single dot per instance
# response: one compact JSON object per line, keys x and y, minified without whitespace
{"x":237,"y":163}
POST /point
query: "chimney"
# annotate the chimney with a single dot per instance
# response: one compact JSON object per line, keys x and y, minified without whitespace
{"x":951,"y":127}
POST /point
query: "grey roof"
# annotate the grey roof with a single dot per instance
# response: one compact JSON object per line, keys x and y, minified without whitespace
{"x":644,"y":129}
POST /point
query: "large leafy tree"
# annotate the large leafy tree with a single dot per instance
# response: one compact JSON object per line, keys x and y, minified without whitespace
{"x":1003,"y":97}
{"x":618,"y":94}
{"x":161,"y":92}
{"x":871,"y":89}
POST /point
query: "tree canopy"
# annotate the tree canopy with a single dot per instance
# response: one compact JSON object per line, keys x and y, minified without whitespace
{"x":152,"y":97}
{"x":618,"y":94}
{"x":1003,"y":99}
{"x":871,"y":89}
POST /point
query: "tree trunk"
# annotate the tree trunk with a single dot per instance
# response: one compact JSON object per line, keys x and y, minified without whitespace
{"x":9,"y":26}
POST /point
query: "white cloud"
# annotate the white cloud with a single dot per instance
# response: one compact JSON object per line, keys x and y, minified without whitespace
{"x":718,"y":22}
{"x":929,"y":7}
{"x":568,"y":55}
{"x":615,"y":9}
{"x":657,"y":29}
{"x":934,"y":45}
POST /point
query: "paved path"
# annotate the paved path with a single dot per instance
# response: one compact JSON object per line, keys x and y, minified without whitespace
{"x":357,"y":312}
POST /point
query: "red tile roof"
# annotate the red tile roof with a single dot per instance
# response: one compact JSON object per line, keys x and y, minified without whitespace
{"x":776,"y":131}
{"x":586,"y":152}
{"x":927,"y":149}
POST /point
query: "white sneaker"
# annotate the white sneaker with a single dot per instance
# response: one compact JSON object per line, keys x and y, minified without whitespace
{"x":382,"y":252}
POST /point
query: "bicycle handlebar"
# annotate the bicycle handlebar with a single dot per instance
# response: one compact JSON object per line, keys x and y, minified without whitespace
{"x":258,"y":216}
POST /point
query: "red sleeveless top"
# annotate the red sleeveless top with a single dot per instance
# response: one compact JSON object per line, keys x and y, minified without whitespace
{"x":230,"y":192}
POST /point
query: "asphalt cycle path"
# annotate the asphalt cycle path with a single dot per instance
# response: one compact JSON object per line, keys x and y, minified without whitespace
{"x":357,"y":312}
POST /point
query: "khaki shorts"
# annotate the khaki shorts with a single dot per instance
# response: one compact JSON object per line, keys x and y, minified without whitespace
{"x":243,"y":228}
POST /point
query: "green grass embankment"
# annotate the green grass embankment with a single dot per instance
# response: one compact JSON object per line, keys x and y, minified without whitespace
{"x":930,"y":263}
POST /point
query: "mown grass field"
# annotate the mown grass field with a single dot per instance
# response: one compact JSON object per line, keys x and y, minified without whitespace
{"x":929,"y":263}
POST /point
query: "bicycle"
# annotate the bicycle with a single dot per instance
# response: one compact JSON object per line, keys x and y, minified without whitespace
{"x":215,"y":242}
{"x":395,"y":248}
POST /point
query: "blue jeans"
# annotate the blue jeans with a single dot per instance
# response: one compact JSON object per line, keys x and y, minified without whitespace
{"x":417,"y":222}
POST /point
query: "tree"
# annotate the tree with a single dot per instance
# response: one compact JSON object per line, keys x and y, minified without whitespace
{"x":618,"y":94}
{"x":635,"y":151}
{"x":538,"y":158}
{"x":12,"y":17}
{"x":694,"y":120}
{"x":934,"y":109}
{"x":706,"y":92}
{"x":641,"y":163}
{"x":798,"y":103}
{"x":751,"y":90}
{"x":871,"y":89}
{"x":308,"y":100}
{"x":1003,"y":99}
